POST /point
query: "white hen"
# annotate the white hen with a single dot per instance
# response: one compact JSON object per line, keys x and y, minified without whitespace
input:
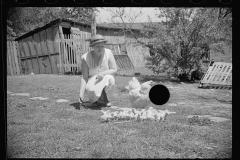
{"x":138,"y":94}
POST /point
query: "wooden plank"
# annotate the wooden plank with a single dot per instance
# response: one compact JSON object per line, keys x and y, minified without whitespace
{"x":221,"y":74}
{"x":50,"y":45}
{"x":16,"y":57}
{"x":78,"y":55}
{"x":24,"y":66}
{"x":70,"y":52}
{"x":121,"y":62}
{"x":124,"y":61}
{"x":73,"y":53}
{"x":206,"y":76}
{"x":8,"y":66}
{"x":33,"y":52}
{"x":12,"y":59}
{"x":43,"y":43}
{"x":38,"y":52}
{"x":38,"y":48}
{"x":9,"y":57}
{"x":218,"y":74}
{"x":128,"y":62}
{"x":211,"y":74}
{"x":35,"y":65}
{"x":29,"y":68}
{"x":60,"y":59}
{"x":43,"y":39}
{"x":61,"y":47}
{"x":19,"y":58}
{"x":56,"y":38}
{"x":119,"y":51}
{"x":63,"y":50}
{"x":118,"y":61}
{"x":228,"y":74}
{"x":64,"y":55}
{"x":67,"y":54}
{"x":75,"y":44}
{"x":50,"y":49}
{"x":22,"y":54}
{"x":226,"y":71}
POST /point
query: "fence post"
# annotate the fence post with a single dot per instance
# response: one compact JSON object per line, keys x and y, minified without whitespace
{"x":9,"y":57}
{"x":15,"y":57}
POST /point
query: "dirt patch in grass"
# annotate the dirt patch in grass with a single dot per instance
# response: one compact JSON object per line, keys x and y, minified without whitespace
{"x":47,"y":129}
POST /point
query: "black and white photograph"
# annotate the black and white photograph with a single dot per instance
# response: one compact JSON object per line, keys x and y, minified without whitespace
{"x":119,"y":82}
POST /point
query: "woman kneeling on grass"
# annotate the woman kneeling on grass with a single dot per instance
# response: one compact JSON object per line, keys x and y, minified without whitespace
{"x":98,"y":66}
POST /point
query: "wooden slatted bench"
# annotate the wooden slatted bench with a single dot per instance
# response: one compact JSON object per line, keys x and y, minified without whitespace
{"x":218,"y":76}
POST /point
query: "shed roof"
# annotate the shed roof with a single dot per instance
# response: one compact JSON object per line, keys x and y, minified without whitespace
{"x":57,"y":21}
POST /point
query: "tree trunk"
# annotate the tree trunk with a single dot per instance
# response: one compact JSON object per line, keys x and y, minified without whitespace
{"x":93,"y":25}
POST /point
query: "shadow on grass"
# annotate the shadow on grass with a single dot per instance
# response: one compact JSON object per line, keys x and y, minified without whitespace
{"x":78,"y":107}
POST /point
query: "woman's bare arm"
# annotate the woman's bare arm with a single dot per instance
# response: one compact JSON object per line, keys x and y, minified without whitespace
{"x":84,"y":78}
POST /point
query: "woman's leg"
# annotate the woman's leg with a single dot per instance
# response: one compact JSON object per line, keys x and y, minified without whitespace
{"x":107,"y":92}
{"x":103,"y":100}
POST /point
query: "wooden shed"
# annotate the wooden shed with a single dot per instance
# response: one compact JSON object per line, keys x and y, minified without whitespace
{"x":56,"y":48}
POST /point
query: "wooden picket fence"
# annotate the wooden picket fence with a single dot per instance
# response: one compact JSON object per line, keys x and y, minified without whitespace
{"x":13,"y":58}
{"x":219,"y":74}
{"x":120,"y":54}
{"x":71,"y":52}
{"x":68,"y":59}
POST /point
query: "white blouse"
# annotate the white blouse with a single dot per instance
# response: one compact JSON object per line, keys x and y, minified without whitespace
{"x":94,"y":69}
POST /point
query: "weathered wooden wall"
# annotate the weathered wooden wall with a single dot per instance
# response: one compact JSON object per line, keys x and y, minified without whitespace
{"x":40,"y":52}
{"x":45,"y":53}
{"x":13,"y":58}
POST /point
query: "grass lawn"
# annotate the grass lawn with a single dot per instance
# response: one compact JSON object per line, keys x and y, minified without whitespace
{"x":47,"y":129}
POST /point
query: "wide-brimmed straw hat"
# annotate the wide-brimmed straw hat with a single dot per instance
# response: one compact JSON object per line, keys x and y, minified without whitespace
{"x":97,"y":39}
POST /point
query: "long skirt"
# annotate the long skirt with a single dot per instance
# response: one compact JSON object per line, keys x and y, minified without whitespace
{"x":95,"y":88}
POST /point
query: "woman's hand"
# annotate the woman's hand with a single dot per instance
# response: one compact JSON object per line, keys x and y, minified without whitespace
{"x":80,"y":99}
{"x":100,"y":76}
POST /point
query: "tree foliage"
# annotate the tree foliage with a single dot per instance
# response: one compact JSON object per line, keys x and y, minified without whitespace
{"x":184,"y":37}
{"x":23,"y":19}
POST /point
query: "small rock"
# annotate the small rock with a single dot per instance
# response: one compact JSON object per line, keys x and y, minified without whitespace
{"x":77,"y":148}
{"x":20,"y":94}
{"x":21,"y":105}
{"x":172,"y":104}
{"x":40,"y":98}
{"x":62,"y":100}
{"x":114,"y":107}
